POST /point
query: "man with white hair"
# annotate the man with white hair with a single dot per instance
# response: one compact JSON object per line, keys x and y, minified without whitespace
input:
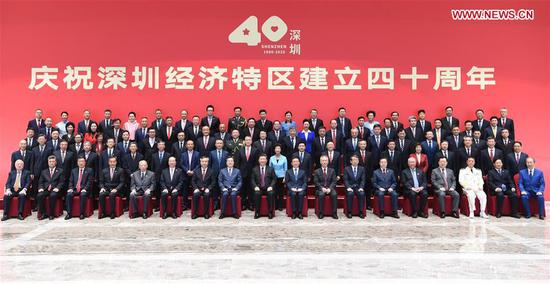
{"x":142,"y":184}
{"x":16,"y":186}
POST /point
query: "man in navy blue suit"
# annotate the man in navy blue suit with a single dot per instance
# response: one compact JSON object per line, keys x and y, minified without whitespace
{"x":16,"y":186}
{"x":296,"y":182}
{"x":354,"y":181}
{"x":384,"y":182}
{"x":189,"y":161}
{"x":230,"y":182}
{"x":531,"y":184}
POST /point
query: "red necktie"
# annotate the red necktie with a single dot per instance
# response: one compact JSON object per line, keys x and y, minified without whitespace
{"x":79,"y":181}
{"x":169,"y":132}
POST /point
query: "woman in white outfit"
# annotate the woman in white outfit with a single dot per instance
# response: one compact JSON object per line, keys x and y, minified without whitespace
{"x":471,"y":180}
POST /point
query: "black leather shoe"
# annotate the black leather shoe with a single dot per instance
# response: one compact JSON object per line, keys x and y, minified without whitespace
{"x":112,"y":216}
{"x":516,"y":215}
{"x":51,"y":217}
{"x":455,"y":214}
{"x":498,"y":215}
{"x":256,"y":215}
{"x":381,"y":215}
{"x":369,"y":207}
{"x":361,"y":215}
{"x":395,"y":215}
{"x":348,"y":215}
{"x":101,"y":216}
{"x":293,"y":216}
{"x":222,"y":216}
{"x":334,"y":216}
{"x":300,"y":216}
{"x":42,"y":217}
{"x":68,"y":217}
{"x":195,"y":216}
{"x":81,"y":217}
{"x":321,"y":216}
{"x":541,"y":217}
{"x":165,"y":215}
{"x":415,"y":215}
{"x":236,"y":216}
{"x":421,"y":214}
{"x":5,"y":218}
{"x":442,"y":215}
{"x":174,"y":215}
{"x":144,"y":216}
{"x":269,"y":215}
{"x":206,"y":216}
{"x":20,"y":217}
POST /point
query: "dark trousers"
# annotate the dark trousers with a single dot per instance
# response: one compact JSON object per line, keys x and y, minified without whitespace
{"x":69,"y":201}
{"x":360,"y":198}
{"x":279,"y":196}
{"x":258,"y":198}
{"x":225,"y":196}
{"x":525,"y":201}
{"x":297,"y":200}
{"x":206,"y":199}
{"x":112,"y":198}
{"x":512,"y":197}
{"x":164,"y":199}
{"x":185,"y":192}
{"x":247,"y":196}
{"x":423,"y":194}
{"x":333,"y":200}
{"x":441,"y":199}
{"x":41,"y":200}
{"x":146,"y":200}
{"x":380,"y":197}
{"x":21,"y":202}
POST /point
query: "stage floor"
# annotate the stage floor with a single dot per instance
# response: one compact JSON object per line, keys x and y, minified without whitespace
{"x":155,"y":249}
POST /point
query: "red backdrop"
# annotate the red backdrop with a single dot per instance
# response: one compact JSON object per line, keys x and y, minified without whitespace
{"x":360,"y":34}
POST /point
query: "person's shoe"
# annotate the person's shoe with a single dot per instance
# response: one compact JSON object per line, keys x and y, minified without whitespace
{"x":236,"y":216}
{"x":300,"y":216}
{"x":293,"y":216}
{"x":243,"y":207}
{"x":112,"y":216}
{"x":174,"y":215}
{"x":381,"y":215}
{"x":269,"y":215}
{"x":484,"y":215}
{"x":527,"y":216}
{"x":369,"y":207}
{"x":144,"y":215}
{"x":165,"y":215}
{"x":222,"y":216}
{"x":250,"y":208}
{"x":334,"y":216}
{"x":256,"y":215}
{"x":321,"y":216}
{"x":280,"y":208}
{"x":541,"y":217}
{"x":42,"y":217}
{"x":81,"y":217}
{"x":102,"y":215}
{"x":515,"y":215}
{"x":195,"y":216}
{"x":68,"y":217}
{"x":5,"y":218}
{"x":415,"y":215}
{"x":361,"y":215}
{"x":422,"y":215}
{"x":395,"y":215}
{"x":348,"y":215}
{"x":498,"y":215}
{"x":455,"y":214}
{"x":20,"y":217}
{"x":51,"y":218}
{"x":157,"y":209}
{"x":471,"y":216}
{"x":206,"y":216}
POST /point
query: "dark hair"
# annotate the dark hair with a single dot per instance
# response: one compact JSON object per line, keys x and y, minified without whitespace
{"x":209,"y":106}
{"x":371,"y":111}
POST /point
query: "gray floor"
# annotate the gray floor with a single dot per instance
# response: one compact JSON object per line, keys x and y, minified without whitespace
{"x":155,"y":249}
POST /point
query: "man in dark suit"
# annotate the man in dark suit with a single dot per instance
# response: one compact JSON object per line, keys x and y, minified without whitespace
{"x":306,"y":162}
{"x":505,"y":143}
{"x":319,"y":146}
{"x":415,"y":185}
{"x":291,"y":143}
{"x":169,"y":134}
{"x":363,"y":130}
{"x":210,"y":120}
{"x":111,"y":184}
{"x":183,"y":123}
{"x":440,"y":134}
{"x":393,"y":158}
{"x":466,"y":152}
{"x":247,"y":158}
{"x":479,"y":143}
{"x":92,"y":162}
{"x":251,"y":130}
{"x":351,"y":145}
{"x":37,"y":122}
{"x":206,"y":143}
{"x":324,"y":179}
{"x":107,"y":123}
{"x":334,"y":159}
{"x":468,"y":128}
{"x":110,"y":151}
{"x":449,"y":155}
{"x":385,"y":183}
{"x":17,"y":185}
{"x":159,"y":122}
{"x":493,"y":130}
{"x":178,"y":147}
{"x":389,"y":131}
{"x":50,"y":186}
{"x":264,"y":145}
{"x":366,"y":161}
{"x":430,"y":147}
{"x":194,"y":131}
{"x":80,"y":184}
{"x":403,"y":144}
{"x":488,"y":156}
{"x":203,"y":184}
{"x":230,"y":182}
{"x":24,"y":154}
{"x":336,"y":137}
{"x":31,"y":138}
{"x":263,"y":183}
{"x":222,"y":133}
{"x":189,"y":161}
{"x":142,"y":133}
{"x":39,"y":163}
{"x":354,"y":182}
{"x":66,"y":160}
{"x":123,"y":146}
{"x":263,"y":123}
{"x":277,"y":134}
{"x":142,"y":184}
{"x":344,"y":123}
{"x":395,"y":124}
{"x":515,"y":162}
{"x":149,"y":145}
{"x":456,"y":140}
{"x":377,"y":144}
{"x":157,"y":163}
{"x":171,"y":181}
{"x":480,"y":123}
{"x":114,"y":132}
{"x":422,"y":122}
{"x":218,"y":156}
{"x":501,"y":184}
{"x":449,"y":122}
{"x":84,"y":125}
{"x":130,"y":162}
{"x":296,"y":182}
{"x":315,"y":123}
{"x":507,"y":123}
{"x":413,"y":132}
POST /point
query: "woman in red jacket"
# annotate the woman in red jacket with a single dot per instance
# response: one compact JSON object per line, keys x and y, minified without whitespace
{"x":421,"y":159}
